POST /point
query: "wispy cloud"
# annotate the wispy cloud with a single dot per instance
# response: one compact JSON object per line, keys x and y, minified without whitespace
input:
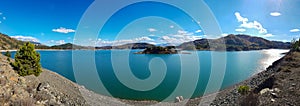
{"x":2,"y":18}
{"x":151,"y":35}
{"x":240,"y":30}
{"x":275,"y":14}
{"x":182,"y":32}
{"x":178,"y":39}
{"x":268,"y":35}
{"x":152,"y":30}
{"x":101,"y":42}
{"x":63,"y":30}
{"x":61,"y":42}
{"x":295,"y":30}
{"x":198,"y":31}
{"x":171,"y":26}
{"x":250,"y":25}
{"x":58,"y":42}
{"x":25,"y":38}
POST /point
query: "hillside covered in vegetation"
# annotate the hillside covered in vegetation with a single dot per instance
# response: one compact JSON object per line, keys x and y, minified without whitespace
{"x":235,"y":43}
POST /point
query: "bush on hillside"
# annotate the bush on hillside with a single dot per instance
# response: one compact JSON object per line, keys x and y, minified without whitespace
{"x":296,"y":45}
{"x":7,"y":54}
{"x":27,"y":61}
{"x":243,"y":89}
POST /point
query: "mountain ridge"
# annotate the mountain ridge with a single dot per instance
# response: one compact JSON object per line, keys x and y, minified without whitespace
{"x":238,"y":42}
{"x":235,"y":43}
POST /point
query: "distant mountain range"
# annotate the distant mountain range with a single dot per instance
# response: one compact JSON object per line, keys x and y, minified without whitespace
{"x":129,"y":46}
{"x":233,"y":43}
{"x":7,"y":42}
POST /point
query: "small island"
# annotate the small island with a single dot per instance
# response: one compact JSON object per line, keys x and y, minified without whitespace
{"x":159,"y":50}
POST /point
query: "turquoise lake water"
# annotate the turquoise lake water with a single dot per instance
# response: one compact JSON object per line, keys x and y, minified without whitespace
{"x":239,"y":66}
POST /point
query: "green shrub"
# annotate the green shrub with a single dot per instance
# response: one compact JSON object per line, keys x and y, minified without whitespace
{"x":243,"y":89}
{"x":295,"y":45}
{"x":27,"y":61}
{"x":7,"y":54}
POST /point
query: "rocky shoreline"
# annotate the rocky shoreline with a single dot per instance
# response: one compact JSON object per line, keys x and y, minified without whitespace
{"x":277,"y":85}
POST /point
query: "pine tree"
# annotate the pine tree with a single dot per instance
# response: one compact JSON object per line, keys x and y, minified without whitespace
{"x":27,"y":61}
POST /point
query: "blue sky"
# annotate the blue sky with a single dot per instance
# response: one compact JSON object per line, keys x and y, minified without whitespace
{"x":53,"y":22}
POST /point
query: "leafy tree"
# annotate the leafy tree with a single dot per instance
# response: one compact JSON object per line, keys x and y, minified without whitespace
{"x":27,"y":61}
{"x":7,"y":54}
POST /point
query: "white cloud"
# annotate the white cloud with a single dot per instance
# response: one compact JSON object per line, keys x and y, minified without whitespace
{"x":180,"y":37}
{"x":295,"y":30}
{"x":240,"y":30}
{"x":26,"y":38}
{"x":171,"y":26}
{"x":250,"y":25}
{"x":174,"y":39}
{"x":4,"y":18}
{"x":61,"y":42}
{"x":58,"y":42}
{"x":268,"y":35}
{"x":198,"y":31}
{"x":240,"y":18}
{"x":0,"y":22}
{"x":152,"y":30}
{"x":182,"y":32}
{"x":224,"y":34}
{"x":275,"y":14}
{"x":101,"y":42}
{"x":63,"y":30}
{"x":1,"y":13}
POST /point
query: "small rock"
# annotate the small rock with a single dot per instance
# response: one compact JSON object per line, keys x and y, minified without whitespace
{"x":277,"y":90}
{"x":43,"y":86}
{"x":274,"y":95}
{"x":177,"y":99}
{"x":264,"y":91}
{"x":181,"y":98}
{"x":293,"y":84}
{"x":272,"y":100}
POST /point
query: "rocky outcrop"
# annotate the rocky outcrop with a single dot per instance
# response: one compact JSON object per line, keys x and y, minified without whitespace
{"x":48,"y":89}
{"x":278,"y":85}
